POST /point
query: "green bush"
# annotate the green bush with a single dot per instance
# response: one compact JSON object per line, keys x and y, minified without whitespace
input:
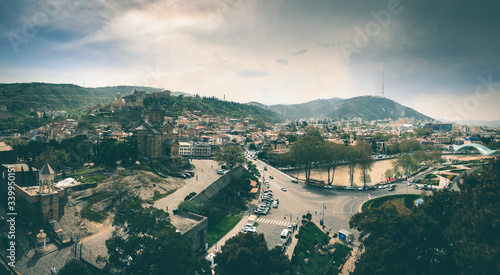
{"x":188,"y":197}
{"x":191,"y":206}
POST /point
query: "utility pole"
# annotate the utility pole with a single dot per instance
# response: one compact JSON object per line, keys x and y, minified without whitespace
{"x":324,"y":212}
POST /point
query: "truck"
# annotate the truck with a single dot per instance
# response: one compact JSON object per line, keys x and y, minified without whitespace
{"x":252,"y":219}
{"x":346,"y":236}
{"x":318,"y":183}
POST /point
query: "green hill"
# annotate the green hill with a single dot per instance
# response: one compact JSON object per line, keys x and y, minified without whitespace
{"x":365,"y":107}
{"x":374,"y":108}
{"x":19,"y":103}
{"x":313,"y":109}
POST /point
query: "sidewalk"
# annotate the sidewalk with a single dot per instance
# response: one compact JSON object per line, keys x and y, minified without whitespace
{"x":217,"y":246}
{"x":349,"y":265}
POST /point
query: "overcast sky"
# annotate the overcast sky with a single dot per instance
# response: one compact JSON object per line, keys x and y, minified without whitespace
{"x":441,"y":58}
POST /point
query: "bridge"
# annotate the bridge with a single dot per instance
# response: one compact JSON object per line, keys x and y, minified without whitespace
{"x":482,"y":149}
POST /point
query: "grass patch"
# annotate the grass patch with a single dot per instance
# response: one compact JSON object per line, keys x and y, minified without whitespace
{"x":96,"y":178}
{"x":88,"y":213}
{"x":406,"y":200}
{"x":458,"y":171}
{"x":157,"y":195}
{"x":309,"y":237}
{"x":218,"y":231}
{"x":191,"y":206}
{"x":446,"y":168}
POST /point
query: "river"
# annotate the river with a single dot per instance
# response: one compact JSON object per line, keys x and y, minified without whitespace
{"x":376,"y":175}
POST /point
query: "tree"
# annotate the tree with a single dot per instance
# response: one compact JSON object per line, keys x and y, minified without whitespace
{"x":252,"y":146}
{"x":450,"y":233}
{"x":410,"y":145}
{"x":230,"y":154}
{"x":333,"y":154}
{"x":388,"y":173}
{"x":56,"y":158}
{"x":151,"y":244}
{"x":421,"y":132}
{"x":365,"y":164}
{"x":291,"y":138}
{"x":419,"y":156}
{"x":247,"y":253}
{"x":394,"y":148}
{"x":365,"y":161}
{"x":74,"y":267}
{"x":352,"y":157}
{"x":435,"y":156}
{"x":406,"y":163}
{"x":493,"y":145}
{"x":306,"y":151}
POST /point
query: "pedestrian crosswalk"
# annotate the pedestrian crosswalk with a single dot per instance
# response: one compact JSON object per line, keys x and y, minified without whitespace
{"x":275,"y":222}
{"x":344,"y":213}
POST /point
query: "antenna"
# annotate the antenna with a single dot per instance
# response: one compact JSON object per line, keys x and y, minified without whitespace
{"x":383,"y":78}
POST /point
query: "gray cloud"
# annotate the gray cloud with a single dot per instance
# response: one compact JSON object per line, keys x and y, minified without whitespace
{"x":430,"y":47}
{"x":299,"y":52}
{"x":282,"y":61}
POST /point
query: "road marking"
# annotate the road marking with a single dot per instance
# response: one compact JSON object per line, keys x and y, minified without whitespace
{"x":355,"y":201}
{"x":345,"y":212}
{"x":273,"y":222}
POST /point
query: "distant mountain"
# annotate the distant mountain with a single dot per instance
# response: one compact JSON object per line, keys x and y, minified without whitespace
{"x":319,"y":108}
{"x":374,"y":108}
{"x":365,"y":107}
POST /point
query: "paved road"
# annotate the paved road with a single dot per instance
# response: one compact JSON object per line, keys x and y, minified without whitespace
{"x":299,"y":199}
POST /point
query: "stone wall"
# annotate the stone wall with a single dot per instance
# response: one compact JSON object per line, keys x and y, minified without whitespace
{"x":217,"y":185}
{"x":198,"y":233}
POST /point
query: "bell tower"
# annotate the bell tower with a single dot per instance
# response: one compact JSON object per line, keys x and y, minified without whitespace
{"x":46,"y":178}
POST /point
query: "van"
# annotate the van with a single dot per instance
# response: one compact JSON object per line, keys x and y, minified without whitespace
{"x":285,"y":236}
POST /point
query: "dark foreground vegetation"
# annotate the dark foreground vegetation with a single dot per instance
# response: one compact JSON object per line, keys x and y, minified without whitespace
{"x":450,"y":233}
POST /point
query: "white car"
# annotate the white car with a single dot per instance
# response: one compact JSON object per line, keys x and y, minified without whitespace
{"x":328,"y":186}
{"x":283,"y":189}
{"x":246,"y":229}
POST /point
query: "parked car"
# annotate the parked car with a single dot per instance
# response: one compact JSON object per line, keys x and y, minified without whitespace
{"x":392,"y":188}
{"x":260,"y":212}
{"x":295,"y":181}
{"x":246,"y":229}
{"x":275,"y":204}
{"x":221,"y":172}
{"x":328,"y":186}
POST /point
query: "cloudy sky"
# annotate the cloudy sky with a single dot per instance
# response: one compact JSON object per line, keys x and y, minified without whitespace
{"x":441,"y":58}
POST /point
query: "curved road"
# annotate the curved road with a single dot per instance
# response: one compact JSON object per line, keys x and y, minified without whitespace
{"x":300,"y":199}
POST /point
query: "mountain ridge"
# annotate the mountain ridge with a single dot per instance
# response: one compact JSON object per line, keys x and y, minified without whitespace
{"x":365,"y":107}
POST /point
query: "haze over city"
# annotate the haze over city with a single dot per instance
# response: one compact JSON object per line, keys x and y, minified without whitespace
{"x":438,"y":57}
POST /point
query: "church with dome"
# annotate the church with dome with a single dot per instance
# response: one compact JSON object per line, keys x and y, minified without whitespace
{"x":156,"y":137}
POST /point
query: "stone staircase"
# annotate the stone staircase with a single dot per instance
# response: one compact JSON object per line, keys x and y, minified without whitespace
{"x":62,"y":237}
